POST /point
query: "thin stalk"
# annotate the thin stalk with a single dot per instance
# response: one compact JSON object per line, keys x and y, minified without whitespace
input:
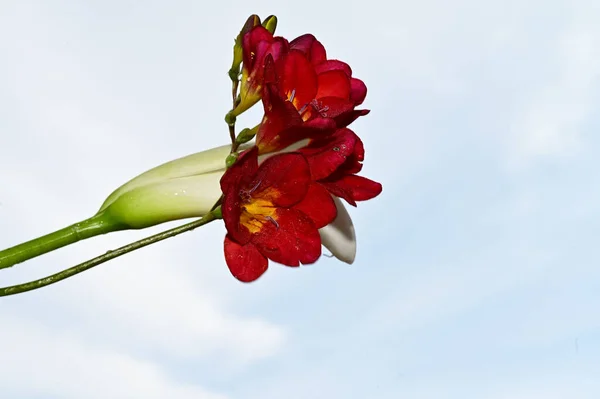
{"x":98,"y":224}
{"x":43,"y":282}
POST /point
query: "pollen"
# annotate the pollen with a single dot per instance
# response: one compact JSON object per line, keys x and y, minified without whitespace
{"x":256,"y":213}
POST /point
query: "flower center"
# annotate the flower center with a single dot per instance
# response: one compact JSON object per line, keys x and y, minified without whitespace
{"x":256,"y":212}
{"x":302,"y":108}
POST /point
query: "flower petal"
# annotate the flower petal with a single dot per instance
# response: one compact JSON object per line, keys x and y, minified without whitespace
{"x":298,"y":79}
{"x":282,"y":179}
{"x":321,"y":123}
{"x":339,"y":191}
{"x":354,"y":188}
{"x":167,"y":200}
{"x":310,"y":46}
{"x":192,"y":165}
{"x":327,"y":153}
{"x":339,"y":236}
{"x":256,"y":37}
{"x":280,"y":115}
{"x":245,"y":262}
{"x":232,"y":212}
{"x":336,"y":108}
{"x":333,"y":65}
{"x":246,"y":165}
{"x":353,"y":164}
{"x":318,"y":205}
{"x":290,"y":240}
{"x":349,"y":117}
{"x":358,"y":91}
{"x":234,"y":179}
{"x":258,"y":47}
{"x":333,"y":83}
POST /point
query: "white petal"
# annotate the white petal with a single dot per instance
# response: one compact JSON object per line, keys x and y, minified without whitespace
{"x":167,"y":200}
{"x":208,"y":161}
{"x":338,"y":236}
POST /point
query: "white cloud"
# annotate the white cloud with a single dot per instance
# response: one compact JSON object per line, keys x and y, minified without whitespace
{"x":160,"y":303}
{"x":46,"y":362}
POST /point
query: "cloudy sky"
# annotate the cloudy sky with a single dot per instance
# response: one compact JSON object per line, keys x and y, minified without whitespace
{"x":478,"y":267}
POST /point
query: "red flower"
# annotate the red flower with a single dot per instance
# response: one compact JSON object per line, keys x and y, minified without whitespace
{"x":272,"y":212}
{"x":334,"y":162}
{"x":306,"y":89}
{"x":329,"y":72}
{"x":257,"y":44}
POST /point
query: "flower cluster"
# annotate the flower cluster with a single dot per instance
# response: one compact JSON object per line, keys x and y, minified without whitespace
{"x":281,"y":197}
{"x":281,"y":191}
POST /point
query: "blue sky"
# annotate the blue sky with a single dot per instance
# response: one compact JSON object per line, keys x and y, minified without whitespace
{"x":477,"y":268}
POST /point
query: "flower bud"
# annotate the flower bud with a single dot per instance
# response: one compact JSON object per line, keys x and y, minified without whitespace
{"x":183,"y":188}
{"x":270,"y":23}
{"x":252,"y":21}
{"x":231,"y":159}
{"x":246,"y":135}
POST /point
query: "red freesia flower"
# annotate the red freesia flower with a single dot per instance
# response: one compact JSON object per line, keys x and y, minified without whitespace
{"x":306,"y":89}
{"x":329,"y":72}
{"x":257,"y":44}
{"x":272,"y":212}
{"x":334,"y":162}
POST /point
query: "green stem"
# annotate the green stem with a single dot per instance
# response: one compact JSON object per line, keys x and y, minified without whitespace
{"x":43,"y":282}
{"x":98,"y":224}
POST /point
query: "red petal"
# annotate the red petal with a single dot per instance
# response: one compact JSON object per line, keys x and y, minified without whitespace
{"x":276,"y":49}
{"x":259,"y":45}
{"x":261,"y":51}
{"x":358,"y":91}
{"x":232,"y":181}
{"x":282,"y":179}
{"x":310,"y":46}
{"x":333,"y":84}
{"x":321,"y":124}
{"x":349,"y":117}
{"x":245,"y":262}
{"x":335,"y":107}
{"x":290,"y":240}
{"x":232,"y":211}
{"x":318,"y":205}
{"x":333,"y":65}
{"x":246,"y":166}
{"x":339,"y":191}
{"x":299,"y":78}
{"x":270,"y":73}
{"x":353,"y":163}
{"x":354,"y":188}
{"x":326,"y":154}
{"x":279,"y":116}
{"x":359,"y":150}
{"x":251,"y":41}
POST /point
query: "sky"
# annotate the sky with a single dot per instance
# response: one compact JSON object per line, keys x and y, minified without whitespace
{"x":477,"y":267}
